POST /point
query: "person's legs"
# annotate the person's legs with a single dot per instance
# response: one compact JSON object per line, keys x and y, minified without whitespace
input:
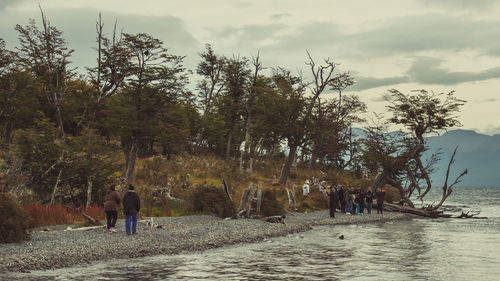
{"x":369,"y":207}
{"x":114,"y":217}
{"x":134,"y":223}
{"x":332,"y":208}
{"x":362,"y":207}
{"x":127,"y":223}
{"x":108,"y":219}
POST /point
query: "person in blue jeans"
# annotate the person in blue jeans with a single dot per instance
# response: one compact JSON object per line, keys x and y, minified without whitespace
{"x":131,"y":206}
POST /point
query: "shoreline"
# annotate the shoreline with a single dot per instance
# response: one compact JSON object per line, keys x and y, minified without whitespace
{"x":59,"y":249}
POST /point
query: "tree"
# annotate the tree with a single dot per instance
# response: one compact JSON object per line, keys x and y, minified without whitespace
{"x":211,"y":69}
{"x":330,"y":137}
{"x":45,"y":53}
{"x":419,"y":113}
{"x":322,"y":77}
{"x":156,"y":78}
{"x":235,"y":94}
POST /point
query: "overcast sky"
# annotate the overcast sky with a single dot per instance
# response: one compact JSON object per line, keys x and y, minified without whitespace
{"x":404,"y":44}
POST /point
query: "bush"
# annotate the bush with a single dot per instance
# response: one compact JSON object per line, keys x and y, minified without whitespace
{"x":270,"y":204}
{"x":15,"y":221}
{"x":208,"y":198}
{"x":315,"y":200}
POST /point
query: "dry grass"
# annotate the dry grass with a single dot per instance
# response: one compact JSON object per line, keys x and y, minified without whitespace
{"x":58,"y":214}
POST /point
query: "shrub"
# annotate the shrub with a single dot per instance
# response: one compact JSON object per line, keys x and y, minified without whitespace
{"x":208,"y":198}
{"x":15,"y":221}
{"x":316,"y":200}
{"x":270,"y":204}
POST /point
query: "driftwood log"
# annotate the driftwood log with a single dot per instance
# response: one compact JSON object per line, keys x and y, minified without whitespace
{"x":470,"y":216}
{"x":426,"y":212}
{"x":82,"y":228}
{"x":91,"y":220}
{"x":275,"y":219}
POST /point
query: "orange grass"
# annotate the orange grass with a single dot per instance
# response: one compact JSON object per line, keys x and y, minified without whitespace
{"x":59,"y":214}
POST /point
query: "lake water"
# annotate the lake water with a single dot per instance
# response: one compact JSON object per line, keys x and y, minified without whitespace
{"x":421,"y":249}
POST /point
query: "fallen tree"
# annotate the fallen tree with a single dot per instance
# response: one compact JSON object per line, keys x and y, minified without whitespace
{"x":398,"y":157}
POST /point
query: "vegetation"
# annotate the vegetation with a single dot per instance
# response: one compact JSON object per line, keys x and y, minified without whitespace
{"x":131,"y":118}
{"x":16,"y":222}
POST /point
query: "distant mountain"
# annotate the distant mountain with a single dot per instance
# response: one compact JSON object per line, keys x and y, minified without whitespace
{"x":478,"y":153}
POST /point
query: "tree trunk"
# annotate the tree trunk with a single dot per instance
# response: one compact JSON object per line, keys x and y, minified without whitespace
{"x":131,"y":164}
{"x":288,"y":164}
{"x":55,"y":188}
{"x":229,"y":139}
{"x":89,"y":191}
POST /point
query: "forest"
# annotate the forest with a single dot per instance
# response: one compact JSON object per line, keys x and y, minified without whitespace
{"x":137,"y":115}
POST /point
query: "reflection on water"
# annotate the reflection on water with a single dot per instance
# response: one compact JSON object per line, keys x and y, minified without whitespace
{"x":421,"y":249}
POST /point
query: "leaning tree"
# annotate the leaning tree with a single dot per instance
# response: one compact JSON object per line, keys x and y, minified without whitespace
{"x":420,"y":113}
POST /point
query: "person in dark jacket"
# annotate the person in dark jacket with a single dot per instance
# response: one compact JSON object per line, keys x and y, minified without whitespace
{"x":131,"y":206}
{"x":361,"y":201}
{"x":332,"y":193}
{"x":380,"y":200}
{"x":111,"y":202}
{"x":369,"y":200}
{"x":341,"y":193}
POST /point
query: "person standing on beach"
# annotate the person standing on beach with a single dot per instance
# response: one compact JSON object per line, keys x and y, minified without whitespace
{"x":380,"y":200}
{"x":332,"y":193}
{"x":131,"y":206}
{"x":341,"y":193}
{"x":369,"y":200}
{"x":347,"y":199}
{"x":361,"y":201}
{"x":111,"y":202}
{"x":305,"y":188}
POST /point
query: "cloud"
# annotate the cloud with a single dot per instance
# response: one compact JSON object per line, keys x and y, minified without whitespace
{"x":79,"y":30}
{"x":403,"y":35}
{"x":486,"y":100}
{"x":280,"y":16}
{"x":382,"y":98}
{"x":364,"y":83}
{"x":248,"y":34}
{"x":460,"y":4}
{"x":4,"y":4}
{"x":428,"y":70}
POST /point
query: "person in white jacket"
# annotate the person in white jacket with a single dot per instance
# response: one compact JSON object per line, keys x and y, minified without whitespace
{"x":305,"y":188}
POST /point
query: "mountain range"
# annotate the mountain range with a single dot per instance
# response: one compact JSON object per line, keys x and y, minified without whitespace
{"x":478,"y":153}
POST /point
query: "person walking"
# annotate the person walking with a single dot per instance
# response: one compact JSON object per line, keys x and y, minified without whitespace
{"x":332,"y":193}
{"x":131,"y":206}
{"x":111,"y":202}
{"x":380,"y":200}
{"x":369,"y":200}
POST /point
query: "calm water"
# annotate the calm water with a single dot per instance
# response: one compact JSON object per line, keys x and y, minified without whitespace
{"x":422,"y":249}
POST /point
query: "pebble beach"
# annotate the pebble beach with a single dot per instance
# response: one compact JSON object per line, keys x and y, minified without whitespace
{"x":57,"y":248}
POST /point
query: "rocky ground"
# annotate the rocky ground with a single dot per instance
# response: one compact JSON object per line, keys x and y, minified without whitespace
{"x":57,"y":248}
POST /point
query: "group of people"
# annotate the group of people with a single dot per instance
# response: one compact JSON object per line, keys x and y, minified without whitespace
{"x":349,"y":200}
{"x":131,"y":206}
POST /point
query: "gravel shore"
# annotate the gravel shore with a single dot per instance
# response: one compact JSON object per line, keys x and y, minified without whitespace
{"x":57,"y":248}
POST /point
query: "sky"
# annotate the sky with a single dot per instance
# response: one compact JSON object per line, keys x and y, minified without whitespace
{"x":440,"y":46}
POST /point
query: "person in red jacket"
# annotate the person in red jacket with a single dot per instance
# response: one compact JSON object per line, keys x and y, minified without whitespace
{"x":131,"y":206}
{"x":111,"y":202}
